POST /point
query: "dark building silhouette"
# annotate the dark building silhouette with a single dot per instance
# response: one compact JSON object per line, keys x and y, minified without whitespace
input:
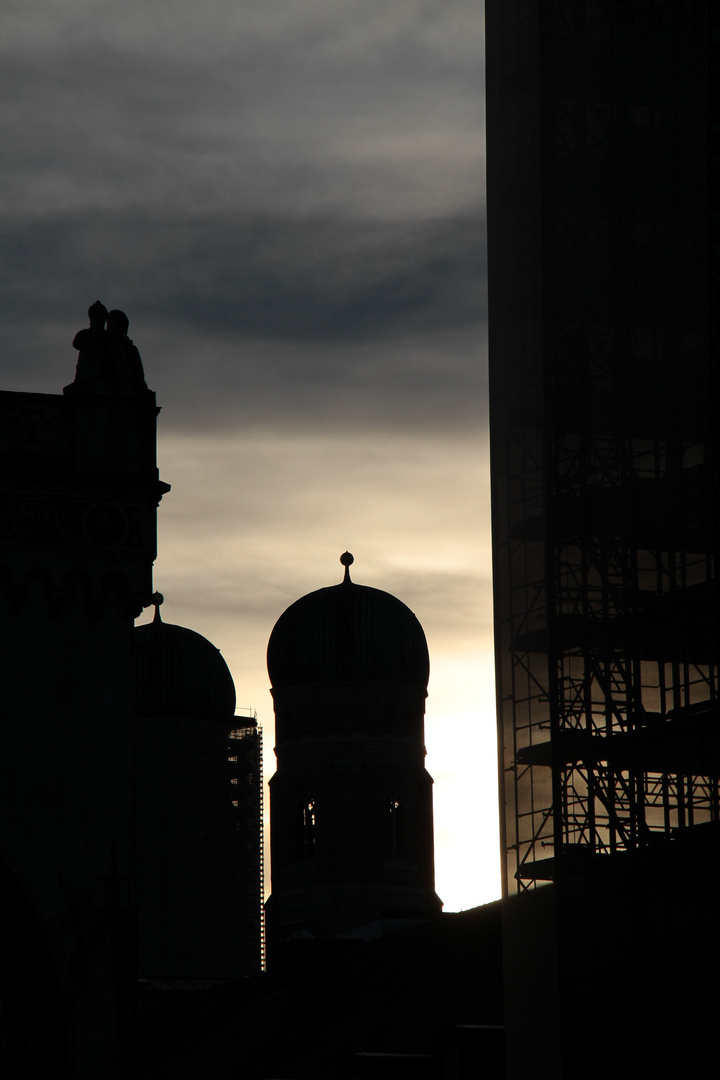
{"x":120,"y":858}
{"x":426,"y":1001}
{"x":366,"y":977}
{"x":199,"y":795}
{"x":130,"y":797}
{"x":351,"y":802}
{"x":602,"y":127}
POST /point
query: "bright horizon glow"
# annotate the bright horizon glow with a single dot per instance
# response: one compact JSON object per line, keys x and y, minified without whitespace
{"x":230,"y":563}
{"x":462,"y":759}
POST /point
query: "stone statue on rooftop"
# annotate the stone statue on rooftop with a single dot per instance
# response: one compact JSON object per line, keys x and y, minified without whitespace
{"x":108,"y":361}
{"x":125,"y":361}
{"x":91,"y":344}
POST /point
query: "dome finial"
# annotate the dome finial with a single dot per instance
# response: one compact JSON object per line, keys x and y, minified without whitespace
{"x":157,"y":599}
{"x":347,"y":560}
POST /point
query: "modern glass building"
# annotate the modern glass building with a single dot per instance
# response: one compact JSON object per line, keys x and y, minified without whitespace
{"x":603,"y":211}
{"x":602,"y":125}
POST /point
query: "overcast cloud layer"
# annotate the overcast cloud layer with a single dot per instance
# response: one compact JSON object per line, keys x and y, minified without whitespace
{"x":236,"y":175}
{"x":369,"y":107}
{"x":287,"y":200}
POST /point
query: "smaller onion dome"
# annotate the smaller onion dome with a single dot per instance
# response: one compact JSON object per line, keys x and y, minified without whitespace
{"x":348,"y":633}
{"x":179,"y":672}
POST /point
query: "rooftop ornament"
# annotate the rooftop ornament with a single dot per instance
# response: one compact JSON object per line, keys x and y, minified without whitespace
{"x":347,"y":560}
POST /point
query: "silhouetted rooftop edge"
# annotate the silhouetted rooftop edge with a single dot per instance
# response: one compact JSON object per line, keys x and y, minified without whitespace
{"x":348,"y":633}
{"x":178,"y":672}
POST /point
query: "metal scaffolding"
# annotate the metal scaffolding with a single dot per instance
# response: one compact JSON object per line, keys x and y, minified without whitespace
{"x":246,"y":791}
{"x":604,"y":410}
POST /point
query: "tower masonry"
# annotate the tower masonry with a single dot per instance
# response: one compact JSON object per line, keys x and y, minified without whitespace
{"x":351,"y":801}
{"x":79,"y":488}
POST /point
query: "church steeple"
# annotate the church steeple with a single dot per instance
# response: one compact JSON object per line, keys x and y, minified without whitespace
{"x":351,"y":802}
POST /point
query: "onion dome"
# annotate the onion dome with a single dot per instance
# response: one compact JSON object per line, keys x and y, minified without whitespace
{"x":348,"y":633}
{"x":179,"y":672}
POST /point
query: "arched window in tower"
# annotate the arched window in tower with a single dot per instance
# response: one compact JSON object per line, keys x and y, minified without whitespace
{"x":305,"y":831}
{"x":394,"y":826}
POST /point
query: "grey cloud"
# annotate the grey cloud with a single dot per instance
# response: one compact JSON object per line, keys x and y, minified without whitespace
{"x":430,"y":383}
{"x":284,"y":197}
{"x":316,"y":280}
{"x":372,"y":104}
{"x":312,"y":33}
{"x":239,"y":320}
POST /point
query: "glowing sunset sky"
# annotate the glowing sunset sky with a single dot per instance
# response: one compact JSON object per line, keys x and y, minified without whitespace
{"x":287,"y":199}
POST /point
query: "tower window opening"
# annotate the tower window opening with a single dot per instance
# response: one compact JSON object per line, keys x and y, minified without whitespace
{"x":394,"y":826}
{"x":306,"y":836}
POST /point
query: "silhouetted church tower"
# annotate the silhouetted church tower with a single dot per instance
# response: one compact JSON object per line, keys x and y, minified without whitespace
{"x":351,"y":801}
{"x":129,"y":790}
{"x":80,"y":490}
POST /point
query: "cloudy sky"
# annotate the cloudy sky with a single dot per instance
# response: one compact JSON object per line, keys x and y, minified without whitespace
{"x":287,"y":199}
